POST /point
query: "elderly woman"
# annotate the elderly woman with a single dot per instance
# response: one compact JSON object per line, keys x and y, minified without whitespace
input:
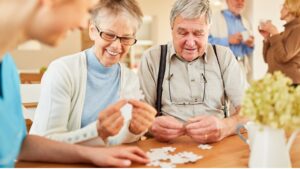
{"x":282,"y":50}
{"x":76,"y":88}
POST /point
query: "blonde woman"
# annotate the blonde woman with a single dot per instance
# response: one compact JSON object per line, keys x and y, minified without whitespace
{"x":46,"y":21}
{"x":281,"y":51}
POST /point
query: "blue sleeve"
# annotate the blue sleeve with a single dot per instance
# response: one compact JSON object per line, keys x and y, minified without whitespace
{"x":247,"y":50}
{"x":12,"y":124}
{"x":218,"y":41}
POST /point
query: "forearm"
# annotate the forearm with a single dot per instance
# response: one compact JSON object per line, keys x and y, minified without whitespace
{"x":231,"y":123}
{"x":36,"y":148}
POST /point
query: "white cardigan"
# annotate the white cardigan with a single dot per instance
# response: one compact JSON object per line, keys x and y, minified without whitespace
{"x":58,"y":115}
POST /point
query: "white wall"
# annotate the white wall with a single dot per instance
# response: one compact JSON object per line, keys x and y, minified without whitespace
{"x":263,"y":9}
{"x":35,"y":59}
{"x":160,"y":10}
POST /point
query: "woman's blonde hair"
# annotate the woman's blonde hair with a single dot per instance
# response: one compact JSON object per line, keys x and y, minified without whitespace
{"x":293,"y":7}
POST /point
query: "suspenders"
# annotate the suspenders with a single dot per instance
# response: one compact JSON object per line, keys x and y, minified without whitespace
{"x":160,"y":78}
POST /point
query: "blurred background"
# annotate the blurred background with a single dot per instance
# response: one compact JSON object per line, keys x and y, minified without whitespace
{"x":155,"y":30}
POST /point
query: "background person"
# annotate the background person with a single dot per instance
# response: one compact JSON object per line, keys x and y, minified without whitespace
{"x":281,"y":51}
{"x":229,"y":28}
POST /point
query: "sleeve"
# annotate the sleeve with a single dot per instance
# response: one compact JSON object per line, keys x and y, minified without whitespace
{"x":147,"y":77}
{"x":52,"y":116}
{"x":218,"y":41}
{"x":247,"y":50}
{"x":285,"y":49}
{"x":131,"y":90}
{"x":266,"y":46}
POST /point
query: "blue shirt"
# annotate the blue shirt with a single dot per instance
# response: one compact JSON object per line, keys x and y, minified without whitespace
{"x":102,"y":88}
{"x":234,"y":25}
{"x":12,"y":124}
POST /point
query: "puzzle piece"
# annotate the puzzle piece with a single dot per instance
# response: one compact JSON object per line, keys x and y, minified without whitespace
{"x":126,"y":111}
{"x":162,"y":157}
{"x":205,"y":146}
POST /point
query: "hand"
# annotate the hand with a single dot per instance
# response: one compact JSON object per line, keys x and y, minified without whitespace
{"x":119,"y":156}
{"x":235,"y":39}
{"x":264,"y":33}
{"x":250,"y":42}
{"x":267,"y":29}
{"x":205,"y":129}
{"x":143,"y":116}
{"x":110,"y":120}
{"x":166,"y":128}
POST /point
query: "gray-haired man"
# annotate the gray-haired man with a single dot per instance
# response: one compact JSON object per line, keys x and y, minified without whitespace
{"x":193,"y":91}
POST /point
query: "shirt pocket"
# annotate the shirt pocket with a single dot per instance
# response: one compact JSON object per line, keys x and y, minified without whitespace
{"x":214,"y":88}
{"x":187,"y":90}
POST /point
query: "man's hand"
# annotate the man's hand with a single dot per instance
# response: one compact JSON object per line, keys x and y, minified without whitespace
{"x":143,"y":116}
{"x":119,"y":156}
{"x":235,"y":39}
{"x":166,"y":128}
{"x":205,"y":129}
{"x":250,"y":42}
{"x":110,"y":120}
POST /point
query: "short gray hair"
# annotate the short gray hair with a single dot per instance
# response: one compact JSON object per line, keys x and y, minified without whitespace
{"x":129,"y":8}
{"x":191,"y":9}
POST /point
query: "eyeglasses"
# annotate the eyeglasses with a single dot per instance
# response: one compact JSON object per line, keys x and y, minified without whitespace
{"x":129,"y":41}
{"x":195,"y":101}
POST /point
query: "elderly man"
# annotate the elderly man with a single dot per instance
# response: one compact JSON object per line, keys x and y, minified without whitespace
{"x":229,"y":28}
{"x":195,"y":81}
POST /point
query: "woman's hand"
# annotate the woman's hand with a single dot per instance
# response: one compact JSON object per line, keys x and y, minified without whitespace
{"x":110,"y":120}
{"x":143,"y":116}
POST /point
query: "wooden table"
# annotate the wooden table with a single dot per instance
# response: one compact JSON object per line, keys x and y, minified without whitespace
{"x":230,"y":152}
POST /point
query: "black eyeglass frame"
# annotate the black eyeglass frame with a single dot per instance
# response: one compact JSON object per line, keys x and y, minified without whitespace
{"x":116,"y":37}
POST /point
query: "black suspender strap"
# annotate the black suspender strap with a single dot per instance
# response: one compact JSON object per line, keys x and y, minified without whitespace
{"x":225,"y":108}
{"x":160,"y":78}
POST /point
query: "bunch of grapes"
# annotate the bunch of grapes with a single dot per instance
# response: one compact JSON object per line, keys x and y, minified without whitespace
{"x":273,"y":101}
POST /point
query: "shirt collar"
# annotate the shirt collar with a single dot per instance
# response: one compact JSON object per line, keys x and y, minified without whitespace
{"x":228,"y":13}
{"x":173,"y":53}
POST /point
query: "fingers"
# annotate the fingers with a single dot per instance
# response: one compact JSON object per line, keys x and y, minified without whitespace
{"x":112,"y":109}
{"x":118,"y":162}
{"x":117,"y":106}
{"x":142,"y":105}
{"x":169,"y":122}
{"x":134,"y":154}
{"x":110,"y":126}
{"x":207,"y":129}
{"x":143,"y":116}
{"x":166,"y":132}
